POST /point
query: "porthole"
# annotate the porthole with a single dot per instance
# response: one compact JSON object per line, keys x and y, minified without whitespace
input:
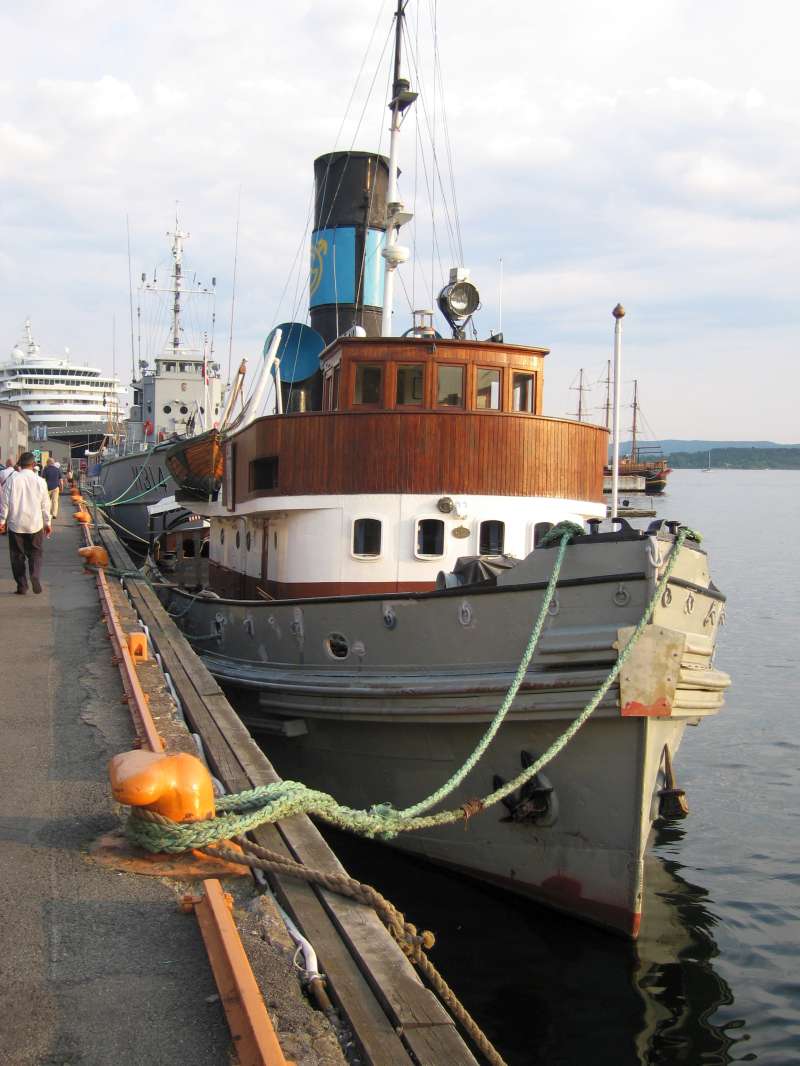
{"x":167,"y":409}
{"x":430,"y":538}
{"x":238,"y":538}
{"x":367,"y":538}
{"x":492,"y":538}
{"x":222,"y":535}
{"x":247,"y":540}
{"x":337,"y":646}
{"x":184,"y":409}
{"x":202,"y":410}
{"x":539,"y":530}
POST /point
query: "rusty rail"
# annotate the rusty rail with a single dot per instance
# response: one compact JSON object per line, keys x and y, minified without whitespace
{"x":134,"y":693}
{"x":253,"y":1034}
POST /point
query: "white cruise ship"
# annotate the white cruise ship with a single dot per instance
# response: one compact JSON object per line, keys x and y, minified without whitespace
{"x":54,"y":392}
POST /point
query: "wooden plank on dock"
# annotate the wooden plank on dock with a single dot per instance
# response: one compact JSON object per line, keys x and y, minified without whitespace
{"x":372,"y":981}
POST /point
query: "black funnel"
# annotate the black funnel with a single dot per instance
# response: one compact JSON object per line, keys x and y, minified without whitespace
{"x":346,"y":281}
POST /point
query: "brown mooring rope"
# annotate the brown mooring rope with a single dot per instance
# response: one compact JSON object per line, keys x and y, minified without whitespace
{"x":411,"y":942}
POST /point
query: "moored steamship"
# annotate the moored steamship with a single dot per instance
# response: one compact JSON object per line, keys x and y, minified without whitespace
{"x":377,"y":563}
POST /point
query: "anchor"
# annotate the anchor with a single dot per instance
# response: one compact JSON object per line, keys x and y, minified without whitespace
{"x":533,"y":801}
{"x":672,"y":802}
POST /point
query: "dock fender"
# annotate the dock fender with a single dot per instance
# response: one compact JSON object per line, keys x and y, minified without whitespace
{"x":650,"y":675}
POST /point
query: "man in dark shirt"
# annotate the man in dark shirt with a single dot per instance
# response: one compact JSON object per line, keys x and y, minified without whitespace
{"x":52,"y":476}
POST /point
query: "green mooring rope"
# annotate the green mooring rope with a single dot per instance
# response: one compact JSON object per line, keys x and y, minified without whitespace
{"x":566,"y":531}
{"x":270,"y":803}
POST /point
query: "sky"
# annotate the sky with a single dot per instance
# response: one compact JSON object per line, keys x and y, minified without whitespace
{"x":638,"y":153}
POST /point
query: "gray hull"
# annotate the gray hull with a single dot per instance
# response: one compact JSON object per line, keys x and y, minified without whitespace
{"x":134,"y":482}
{"x":422,"y":675}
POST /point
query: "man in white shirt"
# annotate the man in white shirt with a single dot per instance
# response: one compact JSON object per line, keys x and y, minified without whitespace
{"x":25,"y":514}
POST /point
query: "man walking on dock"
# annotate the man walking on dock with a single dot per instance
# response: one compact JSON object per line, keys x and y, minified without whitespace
{"x":25,"y":513}
{"x":52,"y":476}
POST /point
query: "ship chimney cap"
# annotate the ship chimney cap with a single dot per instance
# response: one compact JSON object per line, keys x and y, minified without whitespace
{"x":619,"y":311}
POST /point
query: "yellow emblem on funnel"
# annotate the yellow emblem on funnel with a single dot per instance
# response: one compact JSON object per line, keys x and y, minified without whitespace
{"x":318,"y":253}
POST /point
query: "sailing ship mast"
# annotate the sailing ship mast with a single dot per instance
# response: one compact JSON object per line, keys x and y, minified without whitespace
{"x":580,"y":388}
{"x":634,"y":427}
{"x":396,"y":215}
{"x":608,"y":395}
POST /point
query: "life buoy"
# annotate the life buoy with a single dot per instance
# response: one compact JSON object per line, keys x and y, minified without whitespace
{"x":148,"y":428}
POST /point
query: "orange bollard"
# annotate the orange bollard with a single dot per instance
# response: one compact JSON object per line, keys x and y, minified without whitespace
{"x":82,"y":516}
{"x":94,"y":555}
{"x":137,"y":646}
{"x":177,"y":786}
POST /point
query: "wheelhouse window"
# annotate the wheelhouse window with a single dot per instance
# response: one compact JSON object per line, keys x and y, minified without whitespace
{"x":264,"y":474}
{"x":330,"y":389}
{"x":369,"y":385}
{"x":430,"y":538}
{"x":410,"y":384}
{"x":367,"y":538}
{"x":487,"y":389}
{"x":522,"y":392}
{"x":450,"y":386}
{"x":492,"y":539}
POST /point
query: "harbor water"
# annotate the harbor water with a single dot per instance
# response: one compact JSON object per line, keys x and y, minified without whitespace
{"x":713,"y":978}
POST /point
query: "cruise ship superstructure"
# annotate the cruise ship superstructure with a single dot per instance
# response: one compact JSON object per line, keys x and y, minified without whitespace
{"x":55,"y":392}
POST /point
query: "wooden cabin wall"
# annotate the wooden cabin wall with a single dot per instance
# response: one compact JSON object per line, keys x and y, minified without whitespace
{"x":435,"y":452}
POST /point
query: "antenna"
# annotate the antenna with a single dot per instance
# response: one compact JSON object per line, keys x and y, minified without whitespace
{"x":396,"y":215}
{"x":233,"y":290}
{"x":113,"y":346}
{"x":500,"y":298}
{"x":130,"y":297}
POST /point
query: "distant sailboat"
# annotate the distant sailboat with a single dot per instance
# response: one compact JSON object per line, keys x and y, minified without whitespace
{"x":707,"y":469}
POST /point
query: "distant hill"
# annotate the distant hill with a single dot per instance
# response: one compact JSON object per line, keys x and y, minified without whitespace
{"x":672,"y":446}
{"x":773,"y":457}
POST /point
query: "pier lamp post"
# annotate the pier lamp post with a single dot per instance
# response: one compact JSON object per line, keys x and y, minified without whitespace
{"x":619,"y":314}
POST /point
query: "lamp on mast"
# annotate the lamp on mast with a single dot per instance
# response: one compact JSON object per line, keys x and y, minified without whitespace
{"x":396,"y":215}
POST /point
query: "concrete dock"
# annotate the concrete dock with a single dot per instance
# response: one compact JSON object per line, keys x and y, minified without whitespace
{"x":95,"y":966}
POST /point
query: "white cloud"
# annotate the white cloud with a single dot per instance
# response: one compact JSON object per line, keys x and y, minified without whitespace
{"x":101,"y":101}
{"x":647,"y":153}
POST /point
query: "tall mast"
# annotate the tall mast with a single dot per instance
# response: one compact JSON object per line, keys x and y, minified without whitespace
{"x":177,"y":255}
{"x":396,"y":214}
{"x":634,"y":456}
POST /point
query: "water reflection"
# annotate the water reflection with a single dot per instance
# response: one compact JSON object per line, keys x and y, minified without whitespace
{"x":680,"y":988}
{"x":549,"y":990}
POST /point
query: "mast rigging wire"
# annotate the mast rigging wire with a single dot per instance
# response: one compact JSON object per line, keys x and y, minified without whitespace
{"x":233,"y":289}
